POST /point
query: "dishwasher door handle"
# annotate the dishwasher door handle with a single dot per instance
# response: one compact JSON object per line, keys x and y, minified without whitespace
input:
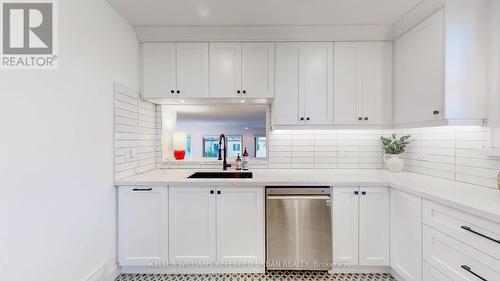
{"x":298,"y":197}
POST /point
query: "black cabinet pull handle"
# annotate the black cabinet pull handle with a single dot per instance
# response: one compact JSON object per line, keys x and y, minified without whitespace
{"x":363,"y":192}
{"x":142,"y":189}
{"x":238,"y":91}
{"x":366,"y":118}
{"x":435,"y":112}
{"x":468,"y":269}
{"x":356,"y":192}
{"x":171,"y":91}
{"x":244,"y":91}
{"x":218,"y":192}
{"x":479,"y":234}
{"x":301,"y":118}
{"x":360,"y":118}
{"x":211,"y":192}
{"x":178,"y":91}
{"x":308,"y":118}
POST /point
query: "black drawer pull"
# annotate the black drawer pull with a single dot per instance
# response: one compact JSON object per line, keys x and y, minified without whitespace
{"x":363,"y":192}
{"x":356,"y":192}
{"x":218,"y":192}
{"x":468,"y":269}
{"x":142,"y":189}
{"x":211,"y":192}
{"x":480,"y":234}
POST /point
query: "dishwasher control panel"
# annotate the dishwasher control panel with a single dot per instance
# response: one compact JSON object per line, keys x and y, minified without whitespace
{"x":297,"y":190}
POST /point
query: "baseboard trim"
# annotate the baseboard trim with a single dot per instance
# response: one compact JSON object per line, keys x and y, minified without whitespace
{"x":113,"y":273}
{"x":187,"y":270}
{"x":362,"y":269}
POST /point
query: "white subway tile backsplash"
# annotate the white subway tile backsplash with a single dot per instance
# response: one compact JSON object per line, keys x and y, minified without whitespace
{"x":135,"y":133}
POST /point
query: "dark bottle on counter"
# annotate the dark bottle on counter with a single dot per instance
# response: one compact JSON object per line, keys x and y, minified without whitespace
{"x":245,"y":160}
{"x":238,"y":162}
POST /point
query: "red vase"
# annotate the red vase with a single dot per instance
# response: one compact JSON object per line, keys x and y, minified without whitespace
{"x":179,"y":154}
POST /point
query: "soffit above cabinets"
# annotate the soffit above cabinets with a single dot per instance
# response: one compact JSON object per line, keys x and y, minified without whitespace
{"x":261,"y":12}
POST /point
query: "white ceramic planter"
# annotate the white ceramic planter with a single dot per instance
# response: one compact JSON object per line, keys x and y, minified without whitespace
{"x":394,"y":164}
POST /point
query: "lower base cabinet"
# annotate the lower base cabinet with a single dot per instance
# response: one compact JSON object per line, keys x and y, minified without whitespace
{"x":142,"y":225}
{"x":406,"y":235}
{"x":456,"y":260}
{"x":209,"y":224}
{"x":361,"y":225}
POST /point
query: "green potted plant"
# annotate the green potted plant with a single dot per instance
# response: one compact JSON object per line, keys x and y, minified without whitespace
{"x":394,"y":146}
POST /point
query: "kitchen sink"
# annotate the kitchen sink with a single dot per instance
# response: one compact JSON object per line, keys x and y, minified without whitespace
{"x":221,"y":175}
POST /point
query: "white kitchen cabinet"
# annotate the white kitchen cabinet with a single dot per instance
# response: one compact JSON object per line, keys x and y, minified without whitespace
{"x":225,"y":70}
{"x":210,"y":224}
{"x":242,"y":70}
{"x":257,"y":70}
{"x":361,"y":225}
{"x":362,"y":83}
{"x":142,"y":225}
{"x":439,"y":72}
{"x":431,"y":274}
{"x":288,"y":105}
{"x":240,"y":224}
{"x":191,"y":224}
{"x":172,"y":70}
{"x":158,"y":70}
{"x":345,"y":208}
{"x":192,"y":70}
{"x":406,"y":235}
{"x":419,"y":72}
{"x":374,"y":226}
{"x":304,"y":84}
{"x":456,"y":260}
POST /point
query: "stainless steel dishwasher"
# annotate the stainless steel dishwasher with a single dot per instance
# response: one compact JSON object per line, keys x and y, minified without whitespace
{"x":298,"y":228}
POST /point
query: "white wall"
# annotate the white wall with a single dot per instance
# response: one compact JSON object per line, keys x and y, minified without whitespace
{"x":494,"y":70}
{"x":58,"y":203}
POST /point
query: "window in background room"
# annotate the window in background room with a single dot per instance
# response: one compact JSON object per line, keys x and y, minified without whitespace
{"x":188,"y":146}
{"x":210,"y":146}
{"x":260,"y":146}
{"x":234,"y":144}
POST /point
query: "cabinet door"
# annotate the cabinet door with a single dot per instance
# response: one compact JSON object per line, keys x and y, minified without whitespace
{"x":257,"y":70}
{"x":376,"y":83}
{"x":240,"y":224}
{"x":418,"y":73}
{"x":348,"y":100}
{"x":158,"y":70}
{"x":192,"y":70}
{"x":288,"y":105}
{"x":374,"y":226}
{"x":317,"y":83}
{"x":143,"y":225}
{"x":345,"y":225}
{"x":225,"y":70}
{"x":406,"y":235}
{"x":191,"y":224}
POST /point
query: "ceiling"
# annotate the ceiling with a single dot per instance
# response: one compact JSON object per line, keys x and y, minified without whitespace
{"x":262,"y":12}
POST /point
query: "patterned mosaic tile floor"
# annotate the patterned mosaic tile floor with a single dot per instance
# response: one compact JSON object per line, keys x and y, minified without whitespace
{"x":268,"y":276}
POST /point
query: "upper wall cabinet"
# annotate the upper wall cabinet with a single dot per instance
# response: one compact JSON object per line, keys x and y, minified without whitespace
{"x":242,"y":70}
{"x":418,"y":73}
{"x":172,"y":70}
{"x":158,"y":70}
{"x":304,"y":84}
{"x":363,"y":83}
{"x":440,"y":68}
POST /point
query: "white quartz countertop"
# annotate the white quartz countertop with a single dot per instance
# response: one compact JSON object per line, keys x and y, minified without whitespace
{"x":481,"y":201}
